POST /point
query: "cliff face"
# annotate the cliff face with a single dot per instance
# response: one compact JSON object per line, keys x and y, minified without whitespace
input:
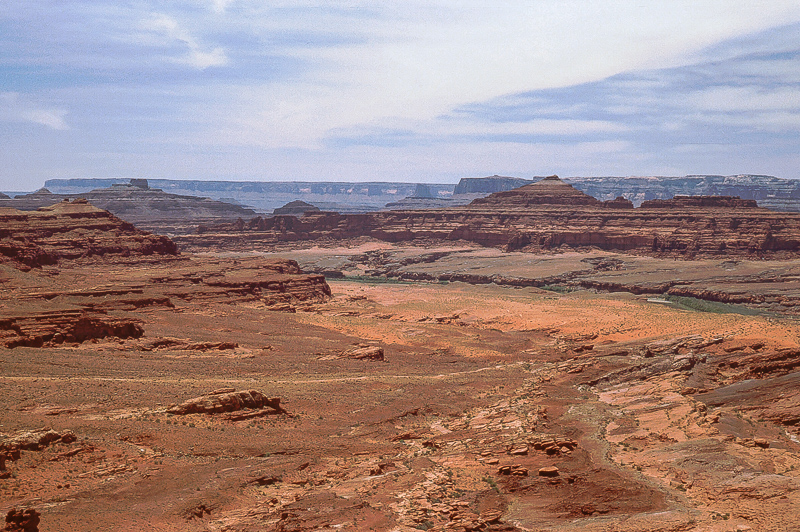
{"x":487,"y":185}
{"x":547,"y":215}
{"x":548,"y":191}
{"x":266,"y":196}
{"x":147,"y":208}
{"x":72,"y":230}
{"x":770,"y":192}
{"x":700,"y":201}
{"x":72,"y":272}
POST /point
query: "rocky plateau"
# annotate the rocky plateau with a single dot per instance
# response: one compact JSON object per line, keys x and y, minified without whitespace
{"x":135,"y":202}
{"x":316,"y":373}
{"x":771,"y":192}
{"x":546,"y":215}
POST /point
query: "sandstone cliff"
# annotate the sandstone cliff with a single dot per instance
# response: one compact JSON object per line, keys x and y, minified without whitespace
{"x":546,"y":215}
{"x":48,"y":256}
{"x":770,"y":192}
{"x":72,"y":230}
{"x":148,"y":208}
{"x":488,"y":185}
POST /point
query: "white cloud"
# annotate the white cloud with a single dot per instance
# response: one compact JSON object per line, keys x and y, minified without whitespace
{"x":300,"y":72}
{"x":421,"y":59}
{"x":785,"y":122}
{"x":15,"y":108}
{"x":173,"y":31}
{"x":450,"y":130}
{"x":52,"y":118}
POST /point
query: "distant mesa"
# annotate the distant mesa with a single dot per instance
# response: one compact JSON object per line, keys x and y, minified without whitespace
{"x":548,"y":191}
{"x":140,"y":183}
{"x":265,"y":196}
{"x":423,"y":191}
{"x":424,"y":197}
{"x":357,"y":197}
{"x":770,"y":192}
{"x":296,"y":208}
{"x":548,"y":215}
{"x":148,"y":208}
{"x":73,"y":230}
{"x":489,"y":185}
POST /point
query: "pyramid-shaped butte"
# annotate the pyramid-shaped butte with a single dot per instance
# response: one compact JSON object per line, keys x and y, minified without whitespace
{"x":549,"y":191}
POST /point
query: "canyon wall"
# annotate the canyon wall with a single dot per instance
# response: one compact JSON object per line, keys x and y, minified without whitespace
{"x":148,"y":208}
{"x":72,"y":230}
{"x":546,"y":215}
{"x":770,"y":192}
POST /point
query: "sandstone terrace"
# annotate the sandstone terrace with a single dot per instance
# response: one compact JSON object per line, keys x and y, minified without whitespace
{"x":495,"y":407}
{"x":544,"y":216}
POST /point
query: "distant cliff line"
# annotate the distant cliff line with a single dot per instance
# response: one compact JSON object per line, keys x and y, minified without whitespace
{"x":769,"y":191}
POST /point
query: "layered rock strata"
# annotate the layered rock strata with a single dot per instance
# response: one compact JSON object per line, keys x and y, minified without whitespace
{"x":227,"y":402}
{"x":73,"y":230}
{"x":47,"y":256}
{"x":34,"y":317}
{"x":546,"y":215}
{"x":770,"y":192}
{"x":137,"y":203}
{"x":64,"y":326}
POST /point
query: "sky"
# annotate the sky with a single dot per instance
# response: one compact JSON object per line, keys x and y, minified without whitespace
{"x":397,"y":91}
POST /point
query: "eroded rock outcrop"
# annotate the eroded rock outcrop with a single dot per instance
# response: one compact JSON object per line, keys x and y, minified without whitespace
{"x":542,"y":216}
{"x":60,"y":326}
{"x":35,"y":440}
{"x":548,"y":191}
{"x":137,"y":203}
{"x":70,"y":231}
{"x":227,"y":402}
{"x":22,"y":520}
{"x":369,"y":352}
{"x":37,"y":313}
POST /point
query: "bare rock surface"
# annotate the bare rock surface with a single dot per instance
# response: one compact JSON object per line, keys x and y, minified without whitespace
{"x":60,"y":326}
{"x":654,"y":416}
{"x":226,"y":402}
{"x":546,"y":215}
{"x":22,"y":520}
{"x":72,"y":230}
{"x":35,"y":440}
{"x":148,"y":208}
{"x":364,"y":353}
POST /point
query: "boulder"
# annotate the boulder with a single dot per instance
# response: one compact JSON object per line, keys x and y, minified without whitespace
{"x":226,"y":402}
{"x":22,"y":520}
{"x":35,"y":440}
{"x":548,"y":471}
{"x":365,"y":353}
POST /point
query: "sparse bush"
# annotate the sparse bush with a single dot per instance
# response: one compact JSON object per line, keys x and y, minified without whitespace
{"x":489,"y":480}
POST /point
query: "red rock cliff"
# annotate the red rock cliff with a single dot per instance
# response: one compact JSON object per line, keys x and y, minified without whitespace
{"x":72,"y":230}
{"x":546,"y":215}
